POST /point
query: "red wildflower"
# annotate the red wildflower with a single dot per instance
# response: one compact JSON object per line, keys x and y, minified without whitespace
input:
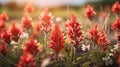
{"x":116,"y":8}
{"x":57,"y":43}
{"x":116,"y":25}
{"x":29,"y":8}
{"x":37,"y":29}
{"x":31,"y":46}
{"x":3,"y":49}
{"x":2,"y":25}
{"x":90,"y":13}
{"x":102,"y":15}
{"x":15,"y":32}
{"x":74,"y":31}
{"x":4,"y":16}
{"x":94,"y":33}
{"x":5,"y":36}
{"x":26,"y":22}
{"x":27,"y":60}
{"x":118,"y":60}
{"x":102,"y":40}
{"x":46,"y":21}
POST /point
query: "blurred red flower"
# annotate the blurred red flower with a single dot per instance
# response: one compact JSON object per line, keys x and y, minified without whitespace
{"x":37,"y":29}
{"x":15,"y":32}
{"x":94,"y":33}
{"x":4,"y":16}
{"x":2,"y":25}
{"x":46,"y":21}
{"x":102,"y":15}
{"x":102,"y":40}
{"x":116,"y":25}
{"x":31,"y":46}
{"x":26,"y":22}
{"x":3,"y":49}
{"x":5,"y":36}
{"x":29,"y":8}
{"x":118,"y":60}
{"x":74,"y":31}
{"x":27,"y":60}
{"x":90,"y":13}
{"x":57,"y":43}
{"x":116,"y":8}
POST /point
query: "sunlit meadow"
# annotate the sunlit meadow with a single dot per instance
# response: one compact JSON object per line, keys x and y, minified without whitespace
{"x":60,"y":35}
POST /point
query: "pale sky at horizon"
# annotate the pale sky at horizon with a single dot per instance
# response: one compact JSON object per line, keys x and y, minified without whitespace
{"x":50,"y":3}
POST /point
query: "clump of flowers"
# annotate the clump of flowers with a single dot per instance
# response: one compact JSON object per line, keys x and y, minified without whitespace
{"x":5,"y":36}
{"x":94,"y":33}
{"x":15,"y":32}
{"x":116,"y":27}
{"x":116,"y":8}
{"x":26,"y":22}
{"x":90,"y":13}
{"x":27,"y":60}
{"x":3,"y":49}
{"x":37,"y":30}
{"x":74,"y":31}
{"x":3,"y":16}
{"x":31,"y":46}
{"x":46,"y":21}
{"x":102,"y":40}
{"x":29,"y":8}
{"x":2,"y":25}
{"x":57,"y":43}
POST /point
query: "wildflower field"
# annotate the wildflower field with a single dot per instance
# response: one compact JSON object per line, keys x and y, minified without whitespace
{"x":51,"y":42}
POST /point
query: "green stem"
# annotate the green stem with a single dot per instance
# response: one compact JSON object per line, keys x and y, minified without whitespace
{"x":45,"y":45}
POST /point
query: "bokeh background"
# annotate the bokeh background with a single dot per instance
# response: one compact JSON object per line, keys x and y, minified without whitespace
{"x":59,"y":8}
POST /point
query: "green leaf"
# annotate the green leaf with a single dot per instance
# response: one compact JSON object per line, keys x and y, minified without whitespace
{"x":78,"y":58}
{"x":86,"y":64}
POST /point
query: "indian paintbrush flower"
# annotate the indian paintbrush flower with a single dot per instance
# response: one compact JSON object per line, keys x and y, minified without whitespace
{"x":74,"y":31}
{"x":57,"y":40}
{"x":3,"y":49}
{"x":5,"y":36}
{"x":27,"y":60}
{"x":90,"y":13}
{"x":31,"y":46}
{"x":15,"y":32}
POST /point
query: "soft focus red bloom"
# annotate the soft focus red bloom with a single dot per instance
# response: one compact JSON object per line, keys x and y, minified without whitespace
{"x":116,"y":25}
{"x":29,"y":8}
{"x":37,"y":29}
{"x":26,"y":22}
{"x":3,"y":49}
{"x":102,"y":40}
{"x":118,"y":60}
{"x":15,"y":32}
{"x":102,"y":15}
{"x":4,"y":16}
{"x":5,"y":36}
{"x":27,"y":60}
{"x":116,"y":8}
{"x":31,"y":46}
{"x":94,"y":33}
{"x":74,"y":31}
{"x":2,"y":25}
{"x":46,"y":21}
{"x":57,"y":43}
{"x":90,"y":13}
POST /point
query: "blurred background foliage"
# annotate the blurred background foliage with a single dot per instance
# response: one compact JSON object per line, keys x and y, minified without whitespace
{"x":16,"y":11}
